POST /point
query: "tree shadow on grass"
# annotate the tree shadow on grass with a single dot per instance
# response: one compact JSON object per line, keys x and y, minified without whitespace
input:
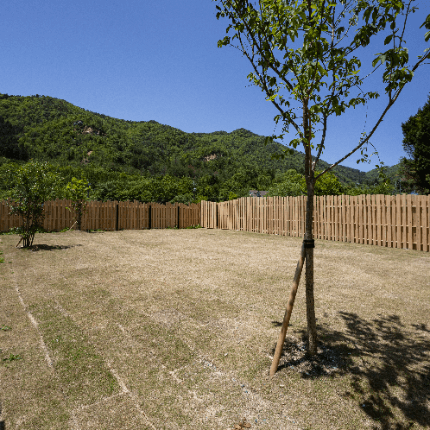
{"x":386,"y":360}
{"x":44,"y":247}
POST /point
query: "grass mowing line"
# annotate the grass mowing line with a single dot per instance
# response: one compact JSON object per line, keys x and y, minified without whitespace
{"x":230,"y":378}
{"x":35,"y":325}
{"x":33,"y":321}
{"x":115,"y":374}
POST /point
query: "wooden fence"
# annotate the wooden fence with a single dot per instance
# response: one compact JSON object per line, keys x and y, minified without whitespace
{"x":400,"y":221}
{"x":111,"y":215}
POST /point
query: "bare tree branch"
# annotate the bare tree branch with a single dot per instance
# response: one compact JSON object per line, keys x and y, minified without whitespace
{"x":390,"y":103}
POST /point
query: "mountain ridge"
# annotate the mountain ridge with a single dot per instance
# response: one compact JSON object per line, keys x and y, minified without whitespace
{"x":48,"y":129}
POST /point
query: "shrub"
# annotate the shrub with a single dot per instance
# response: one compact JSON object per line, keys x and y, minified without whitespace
{"x":34,"y":185}
{"x":77,"y":191}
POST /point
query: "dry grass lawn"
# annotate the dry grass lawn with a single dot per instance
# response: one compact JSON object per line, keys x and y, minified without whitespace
{"x":175,"y":329}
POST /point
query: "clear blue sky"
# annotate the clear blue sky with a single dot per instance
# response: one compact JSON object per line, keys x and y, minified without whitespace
{"x":139,"y":60}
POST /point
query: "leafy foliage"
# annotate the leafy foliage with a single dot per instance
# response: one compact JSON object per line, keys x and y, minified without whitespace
{"x":416,"y":143}
{"x":34,"y":185}
{"x":77,"y":191}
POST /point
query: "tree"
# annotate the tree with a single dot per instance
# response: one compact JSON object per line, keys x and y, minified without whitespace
{"x":289,"y":183}
{"x":328,"y":185}
{"x":77,"y":191}
{"x":34,"y":186}
{"x":306,"y":48}
{"x":416,"y":143}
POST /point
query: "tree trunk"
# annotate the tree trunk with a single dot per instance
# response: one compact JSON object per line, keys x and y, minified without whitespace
{"x":310,"y":305}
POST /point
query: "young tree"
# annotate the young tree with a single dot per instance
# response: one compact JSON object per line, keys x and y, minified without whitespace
{"x":416,"y":143}
{"x":34,"y":185}
{"x":307,"y":48}
{"x":77,"y":191}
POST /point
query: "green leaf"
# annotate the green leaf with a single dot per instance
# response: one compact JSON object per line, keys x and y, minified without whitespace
{"x":380,"y":58}
{"x":366,"y":14}
{"x":388,"y":39}
{"x":268,"y":139}
{"x":271,"y":98}
{"x":426,"y":23}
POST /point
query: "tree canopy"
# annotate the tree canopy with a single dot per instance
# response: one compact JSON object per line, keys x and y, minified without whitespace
{"x":416,"y":143}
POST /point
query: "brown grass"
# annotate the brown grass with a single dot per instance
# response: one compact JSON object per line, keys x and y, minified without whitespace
{"x":175,"y":329}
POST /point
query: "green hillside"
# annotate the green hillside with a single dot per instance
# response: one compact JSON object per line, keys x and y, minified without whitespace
{"x":109,"y":152}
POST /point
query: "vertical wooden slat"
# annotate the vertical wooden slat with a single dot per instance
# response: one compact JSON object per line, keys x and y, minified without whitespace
{"x":402,"y":219}
{"x":350,"y":220}
{"x":303,"y":216}
{"x":383,"y":221}
{"x":108,"y":214}
{"x":321,"y":204}
{"x":389,"y":201}
{"x":294,"y":215}
{"x":296,"y":203}
{"x":360,"y":219}
{"x":52,"y":217}
{"x":263,"y":205}
{"x":105,"y":222}
{"x":381,"y":203}
{"x":418,"y":223}
{"x":369,"y":234}
{"x":336,"y":218}
{"x":393,"y":221}
{"x":315,"y":218}
{"x":332,"y":218}
{"x":398,"y":221}
{"x":272,"y":215}
{"x":344,"y":216}
{"x":426,"y":223}
{"x":376,"y":220}
{"x":326,"y":218}
{"x":409,"y":221}
{"x":370,"y":218}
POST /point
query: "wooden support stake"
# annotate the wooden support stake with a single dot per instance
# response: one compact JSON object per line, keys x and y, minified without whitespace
{"x":288,"y":312}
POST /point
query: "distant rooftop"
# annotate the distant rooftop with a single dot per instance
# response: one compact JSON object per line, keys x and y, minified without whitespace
{"x":256,"y":193}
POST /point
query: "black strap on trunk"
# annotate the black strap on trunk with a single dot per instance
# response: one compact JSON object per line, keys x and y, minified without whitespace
{"x":309,"y":243}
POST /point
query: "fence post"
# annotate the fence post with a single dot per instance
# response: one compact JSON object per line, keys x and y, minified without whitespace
{"x":116,"y":216}
{"x":178,"y":213}
{"x":149,"y":216}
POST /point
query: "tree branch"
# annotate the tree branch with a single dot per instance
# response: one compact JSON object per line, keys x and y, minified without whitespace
{"x":390,"y":103}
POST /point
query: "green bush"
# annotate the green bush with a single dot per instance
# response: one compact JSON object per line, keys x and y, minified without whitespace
{"x":34,"y":185}
{"x":77,"y":190}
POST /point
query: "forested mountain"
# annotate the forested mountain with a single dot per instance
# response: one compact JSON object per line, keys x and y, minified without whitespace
{"x":105,"y":150}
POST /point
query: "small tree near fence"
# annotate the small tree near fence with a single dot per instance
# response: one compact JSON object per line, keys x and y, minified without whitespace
{"x":308,"y":49}
{"x":34,"y":185}
{"x":77,"y":191}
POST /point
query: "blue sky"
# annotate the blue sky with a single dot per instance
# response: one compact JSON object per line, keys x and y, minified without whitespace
{"x":139,"y":60}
